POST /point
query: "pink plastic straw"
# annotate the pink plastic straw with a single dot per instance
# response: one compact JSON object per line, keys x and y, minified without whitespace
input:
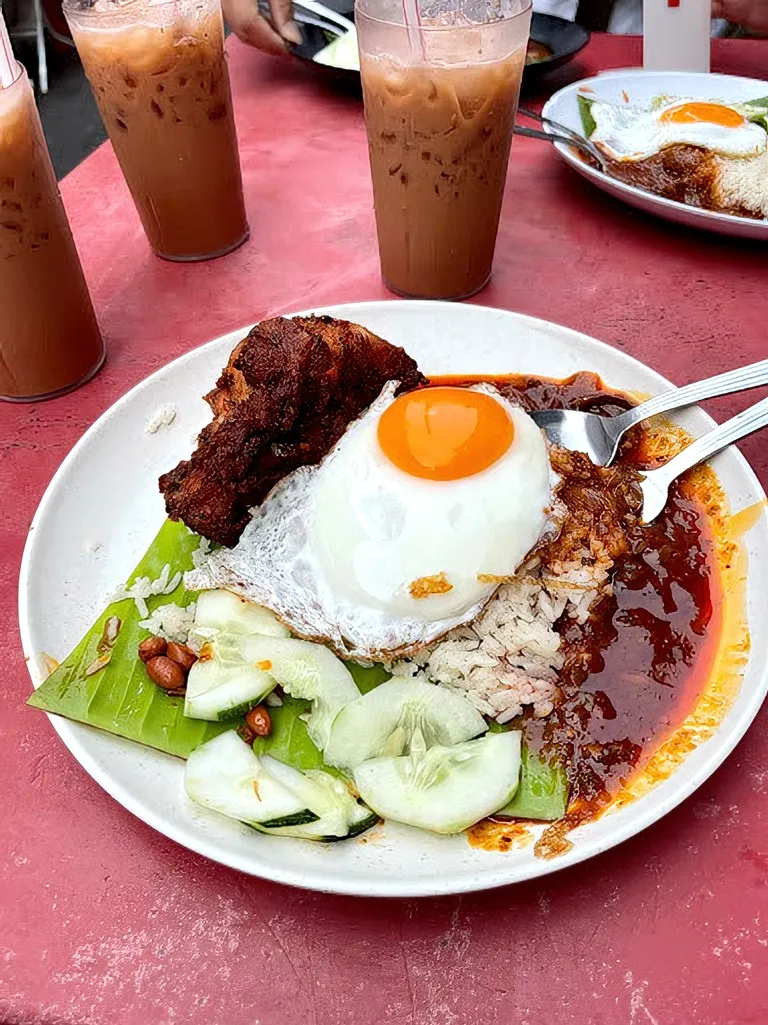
{"x":7,"y":60}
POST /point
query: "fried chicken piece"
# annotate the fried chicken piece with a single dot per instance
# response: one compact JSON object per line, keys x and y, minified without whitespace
{"x":286,"y":396}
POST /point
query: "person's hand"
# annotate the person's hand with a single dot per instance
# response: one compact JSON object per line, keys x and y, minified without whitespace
{"x":750,"y":14}
{"x":247,"y":24}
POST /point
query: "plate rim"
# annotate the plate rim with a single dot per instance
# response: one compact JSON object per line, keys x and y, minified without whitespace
{"x":74,"y":735}
{"x":671,"y":208}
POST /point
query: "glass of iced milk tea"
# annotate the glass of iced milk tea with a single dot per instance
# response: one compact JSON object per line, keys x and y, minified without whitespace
{"x":158,"y":72}
{"x":440,"y":104}
{"x":49,"y":338}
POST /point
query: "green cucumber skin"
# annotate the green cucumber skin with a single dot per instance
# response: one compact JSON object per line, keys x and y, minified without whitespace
{"x":361,"y":827}
{"x":356,"y":830}
{"x":301,"y":818}
{"x":237,"y":711}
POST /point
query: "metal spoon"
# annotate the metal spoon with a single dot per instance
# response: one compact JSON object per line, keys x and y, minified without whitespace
{"x":599,"y":436}
{"x":655,"y":483}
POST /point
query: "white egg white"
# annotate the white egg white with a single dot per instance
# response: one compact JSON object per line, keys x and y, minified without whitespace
{"x":629,"y":133}
{"x":334,"y":548}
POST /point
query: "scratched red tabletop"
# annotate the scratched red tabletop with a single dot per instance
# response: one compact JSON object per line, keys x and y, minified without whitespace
{"x":104,"y":921}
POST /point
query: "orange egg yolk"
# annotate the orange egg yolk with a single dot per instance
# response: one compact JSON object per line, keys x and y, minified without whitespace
{"x":710,"y":113}
{"x":445,"y":433}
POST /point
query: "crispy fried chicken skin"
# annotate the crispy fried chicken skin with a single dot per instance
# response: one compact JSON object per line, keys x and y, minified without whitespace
{"x":286,"y":396}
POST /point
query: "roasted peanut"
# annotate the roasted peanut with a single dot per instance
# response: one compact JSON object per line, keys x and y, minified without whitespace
{"x":181,"y":655}
{"x":258,"y":721}
{"x":167,"y":674}
{"x":151,"y":648}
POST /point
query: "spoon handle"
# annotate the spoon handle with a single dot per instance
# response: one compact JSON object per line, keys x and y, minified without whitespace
{"x":568,"y":140}
{"x":739,"y":426}
{"x":751,"y":376}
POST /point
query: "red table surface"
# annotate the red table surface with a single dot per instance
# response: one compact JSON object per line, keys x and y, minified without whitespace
{"x":104,"y":921}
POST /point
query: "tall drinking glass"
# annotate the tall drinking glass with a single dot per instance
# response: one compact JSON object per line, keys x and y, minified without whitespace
{"x":49,"y":338}
{"x":158,"y":72}
{"x":440,"y":104}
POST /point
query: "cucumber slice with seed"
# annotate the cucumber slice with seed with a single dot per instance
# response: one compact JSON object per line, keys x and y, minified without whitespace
{"x":306,"y":670}
{"x":345,"y":816}
{"x":226,"y":776}
{"x":395,"y":716}
{"x":223,"y":684}
{"x":443,"y":789}
{"x":224,"y":693}
{"x":222,"y":610}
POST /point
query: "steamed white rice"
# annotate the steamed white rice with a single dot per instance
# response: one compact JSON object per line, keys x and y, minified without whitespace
{"x":510,"y":657}
{"x":171,"y":622}
{"x":144,"y":587}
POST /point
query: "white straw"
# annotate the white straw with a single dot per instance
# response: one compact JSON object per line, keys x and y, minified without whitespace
{"x":7,"y":60}
{"x":412,"y":17}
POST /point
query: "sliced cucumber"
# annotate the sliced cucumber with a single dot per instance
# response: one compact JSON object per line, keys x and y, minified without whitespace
{"x":226,"y":776}
{"x":543,"y":791}
{"x":318,"y":791}
{"x":222,"y":610}
{"x":325,"y":830}
{"x":345,"y":815}
{"x":443,"y":789}
{"x":306,"y":670}
{"x":395,"y":716}
{"x":223,"y":693}
{"x":224,"y":684}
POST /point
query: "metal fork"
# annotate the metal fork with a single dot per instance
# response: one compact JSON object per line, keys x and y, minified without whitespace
{"x":599,"y":436}
{"x":655,"y":483}
{"x":583,"y":144}
{"x":562,"y":134}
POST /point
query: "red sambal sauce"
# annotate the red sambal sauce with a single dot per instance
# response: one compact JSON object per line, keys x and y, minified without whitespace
{"x":636,"y":668}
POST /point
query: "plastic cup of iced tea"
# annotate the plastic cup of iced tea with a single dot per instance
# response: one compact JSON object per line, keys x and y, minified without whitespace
{"x":440,"y":104}
{"x":159,"y":74}
{"x":49,"y":338}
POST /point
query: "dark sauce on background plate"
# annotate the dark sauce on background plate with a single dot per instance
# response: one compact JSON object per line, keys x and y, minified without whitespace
{"x":638,"y":666}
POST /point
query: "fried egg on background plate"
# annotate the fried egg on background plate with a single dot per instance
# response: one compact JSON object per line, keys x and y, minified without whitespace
{"x":629,"y":133}
{"x":402,"y":531}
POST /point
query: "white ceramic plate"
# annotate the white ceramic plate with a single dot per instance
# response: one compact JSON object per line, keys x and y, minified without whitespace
{"x":105,"y":494}
{"x":640,"y":88}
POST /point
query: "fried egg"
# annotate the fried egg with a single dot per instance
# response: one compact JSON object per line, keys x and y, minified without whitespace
{"x":627,"y":133}
{"x":404,"y":530}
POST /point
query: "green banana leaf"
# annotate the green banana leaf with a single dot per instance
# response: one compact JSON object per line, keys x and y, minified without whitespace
{"x":585,"y":112}
{"x":103,"y":683}
{"x":120,"y":697}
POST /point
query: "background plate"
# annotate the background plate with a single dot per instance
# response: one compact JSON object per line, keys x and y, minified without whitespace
{"x":564,"y":38}
{"x":103,"y":508}
{"x":640,"y":88}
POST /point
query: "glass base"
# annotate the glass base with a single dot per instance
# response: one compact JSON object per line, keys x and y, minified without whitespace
{"x":59,"y":391}
{"x":438,"y":298}
{"x":205,"y":256}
